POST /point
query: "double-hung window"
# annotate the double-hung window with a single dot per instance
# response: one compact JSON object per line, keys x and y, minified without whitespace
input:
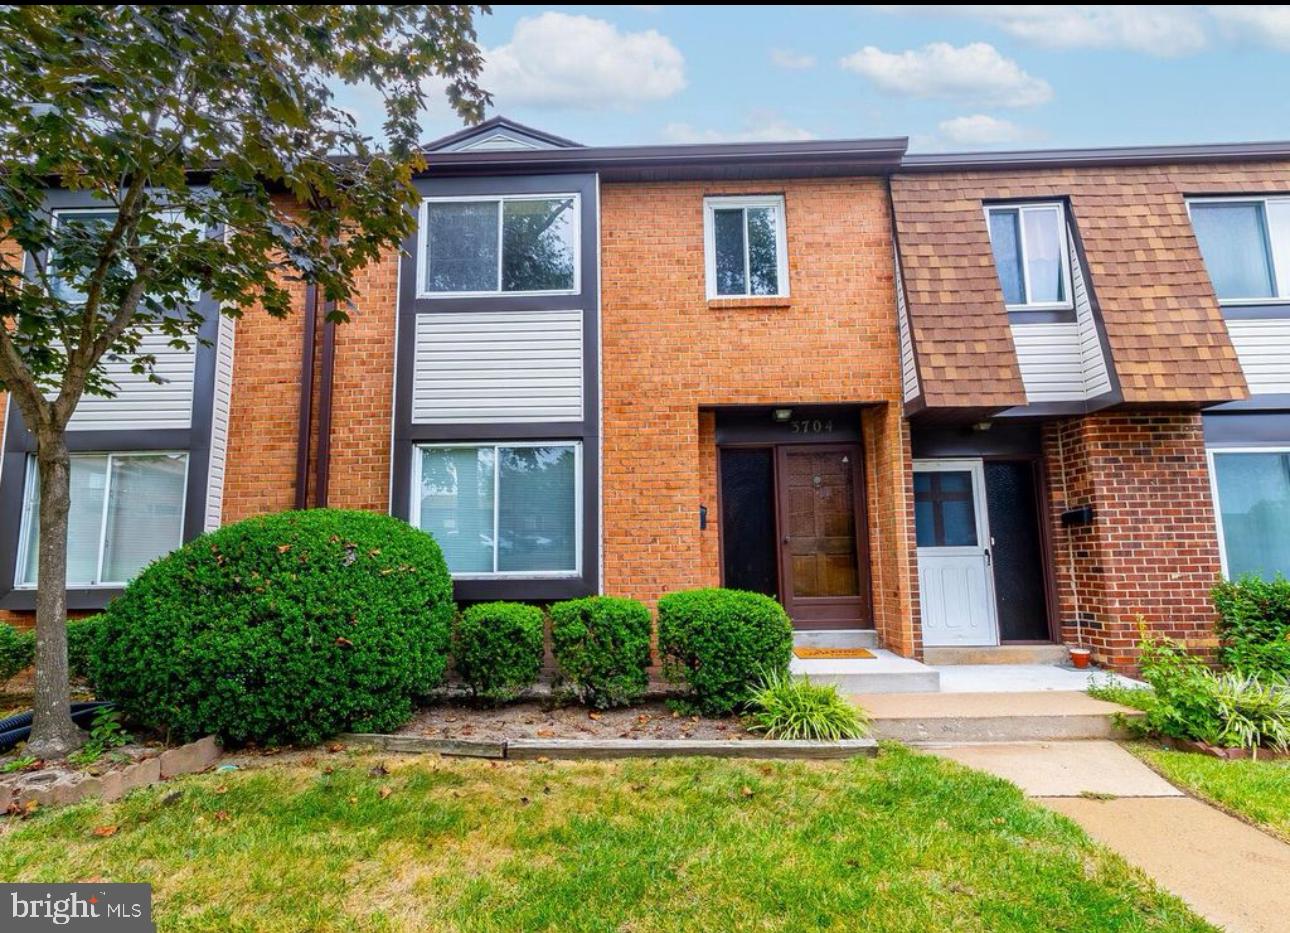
{"x":127,"y":509}
{"x":502,"y":509}
{"x":1031,"y":255}
{"x":745,"y":247}
{"x":1246,"y":246}
{"x":511,"y":245}
{"x":1252,"y":499}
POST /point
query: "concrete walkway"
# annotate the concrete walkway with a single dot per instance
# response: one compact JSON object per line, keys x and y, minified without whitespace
{"x":1228,"y":872}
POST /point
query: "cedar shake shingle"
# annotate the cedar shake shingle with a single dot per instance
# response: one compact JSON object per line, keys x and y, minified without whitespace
{"x":1168,"y":341}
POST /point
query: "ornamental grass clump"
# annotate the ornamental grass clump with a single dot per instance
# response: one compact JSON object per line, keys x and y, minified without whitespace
{"x":788,"y":707}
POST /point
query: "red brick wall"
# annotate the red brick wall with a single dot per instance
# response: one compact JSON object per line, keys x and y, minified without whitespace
{"x":669,"y":354}
{"x":1152,"y":550}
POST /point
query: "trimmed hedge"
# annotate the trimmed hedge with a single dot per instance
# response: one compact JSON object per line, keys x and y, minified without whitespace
{"x":601,"y":644}
{"x":722,"y":643}
{"x":279,"y":629}
{"x":82,"y":645}
{"x":17,"y":651}
{"x":1254,"y":625}
{"x":497,"y":649}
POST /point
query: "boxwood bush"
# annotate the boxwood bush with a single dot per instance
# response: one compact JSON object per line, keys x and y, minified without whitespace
{"x":497,"y":649}
{"x":721,"y":643}
{"x":1254,"y":625}
{"x":17,"y":651}
{"x":284,"y":628}
{"x":82,"y":640}
{"x":601,"y":646}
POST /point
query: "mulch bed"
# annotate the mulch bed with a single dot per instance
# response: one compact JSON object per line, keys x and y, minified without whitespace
{"x":1228,"y":754}
{"x":533,"y":720}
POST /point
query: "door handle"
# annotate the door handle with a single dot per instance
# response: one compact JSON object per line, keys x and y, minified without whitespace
{"x":786,"y":539}
{"x":988,"y":561}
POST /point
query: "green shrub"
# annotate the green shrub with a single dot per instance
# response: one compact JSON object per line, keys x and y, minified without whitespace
{"x":601,"y":645}
{"x":17,"y":651}
{"x":285,"y":628}
{"x":497,"y":649}
{"x":1254,"y":625}
{"x":786,"y":707}
{"x":721,"y":642}
{"x":1252,"y":713}
{"x":1229,"y":709}
{"x":82,"y":637}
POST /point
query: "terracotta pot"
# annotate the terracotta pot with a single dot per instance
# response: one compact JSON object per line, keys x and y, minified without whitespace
{"x":1080,"y":657}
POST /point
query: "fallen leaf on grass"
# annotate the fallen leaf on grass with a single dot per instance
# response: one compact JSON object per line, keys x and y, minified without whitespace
{"x":221,"y":816}
{"x":747,"y":791}
{"x":222,"y":789}
{"x":335,"y":747}
{"x":385,"y":792}
{"x":104,"y":831}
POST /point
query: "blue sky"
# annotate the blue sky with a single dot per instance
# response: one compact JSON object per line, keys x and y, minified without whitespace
{"x":950,"y":78}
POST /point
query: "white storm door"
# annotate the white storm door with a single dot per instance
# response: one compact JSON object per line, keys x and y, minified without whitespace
{"x":955,"y":579}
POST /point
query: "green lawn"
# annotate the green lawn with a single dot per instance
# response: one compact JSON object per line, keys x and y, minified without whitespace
{"x":1259,"y":791}
{"x":903,"y":843}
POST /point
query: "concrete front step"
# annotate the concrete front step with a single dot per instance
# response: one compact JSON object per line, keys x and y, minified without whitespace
{"x":883,"y":673}
{"x":928,"y":718}
{"x":837,"y":638}
{"x":998,"y":654}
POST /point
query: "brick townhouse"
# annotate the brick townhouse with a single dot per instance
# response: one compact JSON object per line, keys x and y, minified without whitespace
{"x":952,"y":401}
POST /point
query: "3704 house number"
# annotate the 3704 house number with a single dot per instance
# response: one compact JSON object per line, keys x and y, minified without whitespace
{"x":813,"y":426}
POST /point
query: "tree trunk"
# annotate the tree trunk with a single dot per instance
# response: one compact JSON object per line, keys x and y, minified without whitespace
{"x":53,"y":734}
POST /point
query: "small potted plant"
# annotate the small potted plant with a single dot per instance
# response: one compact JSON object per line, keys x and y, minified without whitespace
{"x":1080,"y":656}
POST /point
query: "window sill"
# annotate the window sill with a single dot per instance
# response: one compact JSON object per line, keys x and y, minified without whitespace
{"x":749,"y":301}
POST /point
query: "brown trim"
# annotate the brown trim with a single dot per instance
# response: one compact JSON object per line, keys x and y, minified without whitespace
{"x":303,"y":432}
{"x":325,"y":388}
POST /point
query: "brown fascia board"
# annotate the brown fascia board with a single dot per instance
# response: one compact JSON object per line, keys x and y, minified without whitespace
{"x":1110,"y":156}
{"x":714,"y":160}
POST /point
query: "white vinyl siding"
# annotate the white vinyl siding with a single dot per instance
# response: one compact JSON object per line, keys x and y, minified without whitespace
{"x":220,"y":404}
{"x":141,"y":405}
{"x":1264,"y":351}
{"x":498,"y":366}
{"x":908,"y":366}
{"x":1062,"y":361}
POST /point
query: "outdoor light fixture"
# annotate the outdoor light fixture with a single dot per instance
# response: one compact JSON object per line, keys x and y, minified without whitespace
{"x":981,"y":426}
{"x":783,"y":414}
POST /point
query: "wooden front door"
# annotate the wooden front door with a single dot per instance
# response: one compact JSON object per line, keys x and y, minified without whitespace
{"x":823,"y":570}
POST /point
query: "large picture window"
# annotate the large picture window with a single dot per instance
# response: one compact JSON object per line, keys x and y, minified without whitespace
{"x":506,"y":245}
{"x":746,"y":251}
{"x":1246,"y":246}
{"x":1252,"y":493}
{"x":1030,"y":255}
{"x":499,"y":509}
{"x":127,"y":509}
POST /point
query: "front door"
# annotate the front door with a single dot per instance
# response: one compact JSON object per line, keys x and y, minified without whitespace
{"x":955,"y":583}
{"x":824,"y":579}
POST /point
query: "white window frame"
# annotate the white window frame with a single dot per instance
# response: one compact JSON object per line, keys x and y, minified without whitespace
{"x":423,"y":260}
{"x":414,"y":512}
{"x":1213,"y":489}
{"x":710,"y":207}
{"x":1026,"y":207}
{"x":1278,"y":244}
{"x":29,"y":519}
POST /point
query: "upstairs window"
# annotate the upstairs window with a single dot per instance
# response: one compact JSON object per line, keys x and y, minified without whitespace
{"x":745,"y":247}
{"x":1030,"y":255}
{"x":505,"y":245}
{"x":1246,"y":246}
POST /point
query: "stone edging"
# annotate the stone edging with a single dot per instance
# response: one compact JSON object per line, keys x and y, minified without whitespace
{"x":535,"y":749}
{"x":112,"y":785}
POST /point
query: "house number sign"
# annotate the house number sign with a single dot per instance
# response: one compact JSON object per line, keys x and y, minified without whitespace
{"x":813,"y":426}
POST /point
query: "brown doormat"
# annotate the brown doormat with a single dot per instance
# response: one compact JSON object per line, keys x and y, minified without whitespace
{"x":805,"y":651}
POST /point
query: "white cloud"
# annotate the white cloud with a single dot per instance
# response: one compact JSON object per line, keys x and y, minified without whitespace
{"x":559,"y":60}
{"x":975,"y":72}
{"x":1269,"y":25}
{"x":793,"y":61}
{"x":981,"y":129}
{"x":760,"y":128}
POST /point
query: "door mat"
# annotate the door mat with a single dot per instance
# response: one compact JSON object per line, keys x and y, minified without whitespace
{"x":805,"y":652}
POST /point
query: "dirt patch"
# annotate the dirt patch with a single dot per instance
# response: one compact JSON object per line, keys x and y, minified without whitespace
{"x":538,"y":721}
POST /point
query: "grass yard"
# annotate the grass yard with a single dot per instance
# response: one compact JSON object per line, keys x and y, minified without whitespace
{"x":903,"y":843}
{"x":1258,"y":791}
